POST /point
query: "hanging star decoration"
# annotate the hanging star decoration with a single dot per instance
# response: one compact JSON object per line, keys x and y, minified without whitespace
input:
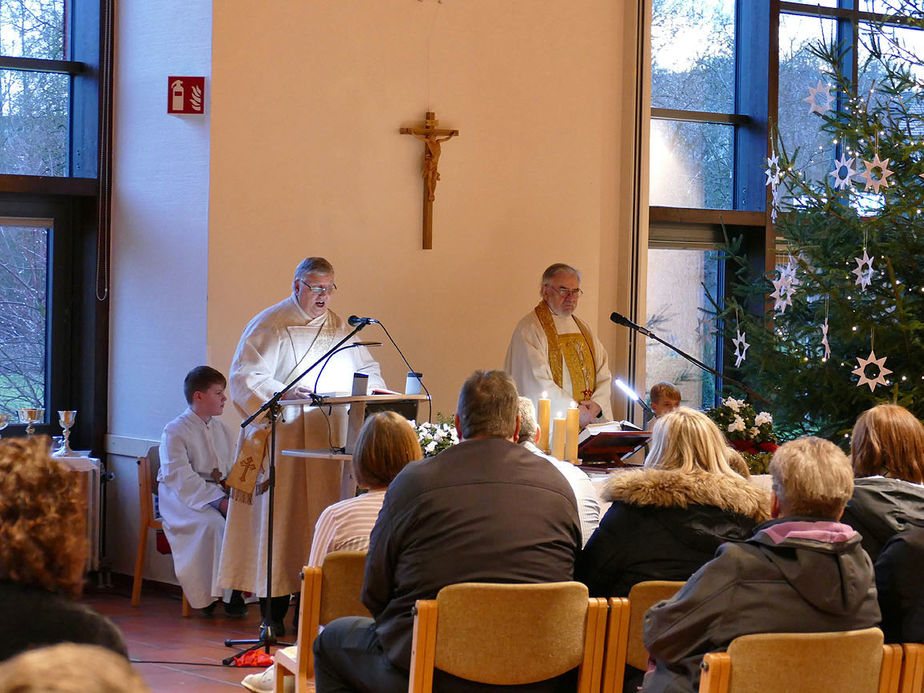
{"x":871,"y":181}
{"x":812,"y":99}
{"x":824,"y":340}
{"x":705,"y":325}
{"x":863,"y":271}
{"x":846,"y":165}
{"x":774,"y":173}
{"x":741,"y":347}
{"x":782,"y":295}
{"x":774,"y":203}
{"x":860,"y":370}
{"x":789,"y":272}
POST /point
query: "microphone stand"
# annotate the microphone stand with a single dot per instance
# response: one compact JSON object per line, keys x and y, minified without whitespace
{"x":272,"y":409}
{"x":623,"y":320}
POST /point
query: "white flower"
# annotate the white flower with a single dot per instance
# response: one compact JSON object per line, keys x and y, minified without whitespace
{"x":732,"y":404}
{"x":763,"y":418}
{"x":439,"y":434}
{"x":430,"y":447}
{"x":754,"y":432}
{"x":736,"y":425}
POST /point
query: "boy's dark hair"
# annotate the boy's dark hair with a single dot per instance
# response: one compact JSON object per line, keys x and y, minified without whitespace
{"x":200,"y":379}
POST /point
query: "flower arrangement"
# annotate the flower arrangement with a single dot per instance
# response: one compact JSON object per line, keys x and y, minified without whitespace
{"x":748,"y":431}
{"x":434,"y":438}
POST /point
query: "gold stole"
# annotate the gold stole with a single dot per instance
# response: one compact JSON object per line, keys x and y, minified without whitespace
{"x":254,"y":439}
{"x":575,"y":350}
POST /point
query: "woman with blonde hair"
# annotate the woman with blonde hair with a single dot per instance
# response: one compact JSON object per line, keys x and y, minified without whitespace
{"x":42,"y":555}
{"x":887,"y":452}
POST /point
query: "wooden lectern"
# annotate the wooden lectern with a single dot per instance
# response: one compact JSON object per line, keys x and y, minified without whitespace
{"x":610,"y":448}
{"x":359,"y":407}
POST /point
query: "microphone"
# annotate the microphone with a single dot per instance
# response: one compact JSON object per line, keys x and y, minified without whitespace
{"x":355,"y":320}
{"x":623,"y":320}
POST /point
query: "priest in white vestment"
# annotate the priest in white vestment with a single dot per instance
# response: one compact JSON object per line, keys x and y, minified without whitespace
{"x":275,"y":348}
{"x":554,"y":353}
{"x":196,"y":453}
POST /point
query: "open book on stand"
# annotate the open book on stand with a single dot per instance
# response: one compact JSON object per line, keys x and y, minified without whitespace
{"x":608,"y":444}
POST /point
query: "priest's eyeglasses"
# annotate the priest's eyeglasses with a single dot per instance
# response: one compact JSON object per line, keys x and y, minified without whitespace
{"x":319,"y":289}
{"x":564,"y":292}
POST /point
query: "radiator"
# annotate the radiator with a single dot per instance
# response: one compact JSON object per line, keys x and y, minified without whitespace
{"x":87,"y":471}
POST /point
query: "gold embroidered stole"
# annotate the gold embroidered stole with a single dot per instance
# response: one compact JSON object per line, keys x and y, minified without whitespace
{"x":255,"y":438}
{"x":575,"y":350}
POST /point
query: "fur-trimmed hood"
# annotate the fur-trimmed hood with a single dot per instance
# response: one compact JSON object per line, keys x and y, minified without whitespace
{"x":672,"y":488}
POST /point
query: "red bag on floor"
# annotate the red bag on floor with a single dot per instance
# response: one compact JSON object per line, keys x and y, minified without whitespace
{"x":254,"y":658}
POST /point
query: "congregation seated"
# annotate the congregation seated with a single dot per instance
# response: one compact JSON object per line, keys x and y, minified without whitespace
{"x":584,"y":492}
{"x":70,"y":668}
{"x":801,"y":572}
{"x":43,"y":552}
{"x":887,"y":452}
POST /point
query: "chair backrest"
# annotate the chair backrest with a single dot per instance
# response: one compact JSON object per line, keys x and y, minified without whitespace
{"x":642,"y":597}
{"x":342,"y":585}
{"x":511,"y":635}
{"x":853,"y":661}
{"x":913,"y":668}
{"x":147,"y":485}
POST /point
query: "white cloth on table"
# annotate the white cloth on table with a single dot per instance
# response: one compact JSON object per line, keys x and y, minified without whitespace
{"x":190,"y":449}
{"x":346,"y":526}
{"x":585,"y":493}
{"x":271,"y":354}
{"x":528,"y":363}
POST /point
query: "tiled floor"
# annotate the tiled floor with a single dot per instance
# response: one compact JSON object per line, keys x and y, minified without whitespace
{"x":173,"y":653}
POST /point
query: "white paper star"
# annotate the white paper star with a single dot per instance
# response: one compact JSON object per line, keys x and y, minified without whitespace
{"x":824,"y":340}
{"x":881,"y":181}
{"x":840,"y":183}
{"x":741,"y":348}
{"x":773,"y":172}
{"x":782,"y":295}
{"x":789,"y":273}
{"x":861,"y":371}
{"x":812,"y":99}
{"x":774,"y":203}
{"x":864,"y":276}
{"x":704,"y":325}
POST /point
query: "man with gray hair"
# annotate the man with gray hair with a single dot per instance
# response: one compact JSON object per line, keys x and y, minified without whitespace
{"x":276,"y":347}
{"x":801,"y":572}
{"x":485,"y":510}
{"x":553,"y":354}
{"x":585,"y":494}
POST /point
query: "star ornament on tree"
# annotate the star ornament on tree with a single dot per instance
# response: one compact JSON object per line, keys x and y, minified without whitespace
{"x":872,"y":182}
{"x":812,"y":99}
{"x":824,"y":340}
{"x":864,"y":270}
{"x":846,"y":165}
{"x":782,"y":294}
{"x":773,"y":172}
{"x":741,"y":348}
{"x":860,"y":370}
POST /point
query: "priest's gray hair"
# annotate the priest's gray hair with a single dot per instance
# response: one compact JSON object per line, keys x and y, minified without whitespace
{"x":812,"y":476}
{"x":558,"y":268}
{"x":528,"y":425}
{"x":487,"y":405}
{"x":313,"y":265}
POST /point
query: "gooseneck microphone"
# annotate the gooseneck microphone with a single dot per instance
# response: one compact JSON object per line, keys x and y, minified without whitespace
{"x":355,"y":320}
{"x":620,"y":319}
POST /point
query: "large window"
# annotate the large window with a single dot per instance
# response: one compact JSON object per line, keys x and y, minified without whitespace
{"x":52,"y":209}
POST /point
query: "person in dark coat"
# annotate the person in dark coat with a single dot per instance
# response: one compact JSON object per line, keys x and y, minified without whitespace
{"x":43,"y":552}
{"x":802,"y":572}
{"x":899,"y":581}
{"x":485,"y":510}
{"x":887,"y":452}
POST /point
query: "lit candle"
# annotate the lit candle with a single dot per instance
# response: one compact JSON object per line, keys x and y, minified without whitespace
{"x":558,"y":437}
{"x":572,"y":428}
{"x":545,"y":409}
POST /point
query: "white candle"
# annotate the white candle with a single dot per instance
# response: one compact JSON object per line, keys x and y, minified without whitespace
{"x":558,"y":437}
{"x":572,"y":429}
{"x":545,"y":408}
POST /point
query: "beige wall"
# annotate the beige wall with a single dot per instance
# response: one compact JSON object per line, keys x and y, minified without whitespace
{"x":306,"y":159}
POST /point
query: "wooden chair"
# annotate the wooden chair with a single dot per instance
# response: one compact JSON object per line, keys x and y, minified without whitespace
{"x":509,"y":634}
{"x":328,"y":592}
{"x":854,"y":660}
{"x":913,"y":668}
{"x":624,"y":643}
{"x":147,"y":483}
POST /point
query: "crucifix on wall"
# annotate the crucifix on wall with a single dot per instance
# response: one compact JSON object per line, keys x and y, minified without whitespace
{"x":432,"y":137}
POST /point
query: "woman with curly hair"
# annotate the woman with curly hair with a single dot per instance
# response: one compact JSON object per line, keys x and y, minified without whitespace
{"x":887,"y":452}
{"x":42,"y":555}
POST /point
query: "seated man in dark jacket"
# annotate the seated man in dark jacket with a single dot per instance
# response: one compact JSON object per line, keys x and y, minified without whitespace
{"x":485,"y":510}
{"x":801,"y":572}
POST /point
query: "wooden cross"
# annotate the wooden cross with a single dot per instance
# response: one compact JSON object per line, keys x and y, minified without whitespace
{"x":431,"y":136}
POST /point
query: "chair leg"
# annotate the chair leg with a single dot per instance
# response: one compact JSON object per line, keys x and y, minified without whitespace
{"x":139,"y":564}
{"x":186,"y":609}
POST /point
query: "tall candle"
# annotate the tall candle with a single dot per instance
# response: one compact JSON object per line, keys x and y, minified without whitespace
{"x":558,"y":437}
{"x":572,"y":429}
{"x":545,"y":408}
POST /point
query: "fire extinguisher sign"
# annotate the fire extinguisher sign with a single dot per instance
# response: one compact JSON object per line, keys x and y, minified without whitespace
{"x":186,"y":95}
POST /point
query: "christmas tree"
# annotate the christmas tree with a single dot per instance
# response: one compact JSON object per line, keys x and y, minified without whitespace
{"x":839,"y":324}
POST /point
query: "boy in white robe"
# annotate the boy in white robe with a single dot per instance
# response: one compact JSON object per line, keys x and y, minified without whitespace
{"x":196,"y":453}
